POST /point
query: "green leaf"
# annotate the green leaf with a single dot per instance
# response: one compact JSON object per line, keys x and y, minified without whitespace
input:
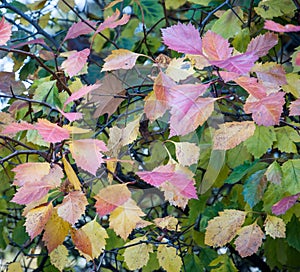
{"x":152,"y":264}
{"x":291,"y":176}
{"x":293,"y":234}
{"x":261,"y":141}
{"x":239,"y":172}
{"x":193,"y":263}
{"x":286,"y":136}
{"x":229,"y":25}
{"x":271,"y":196}
{"x":223,"y":264}
{"x":274,"y":173}
{"x":254,"y":187}
{"x":237,"y":156}
{"x":152,"y":11}
{"x":207,"y":255}
{"x":275,"y":252}
{"x":28,"y":69}
{"x":275,"y":8}
{"x":200,"y":2}
{"x":241,"y":40}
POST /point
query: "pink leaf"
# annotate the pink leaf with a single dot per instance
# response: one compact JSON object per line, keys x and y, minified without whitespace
{"x":50,"y":132}
{"x":272,"y":74}
{"x":251,"y":85}
{"x":284,"y":204}
{"x":87,"y":154}
{"x":240,"y":64}
{"x":113,"y":22}
{"x":35,"y":41}
{"x":215,"y":47}
{"x":261,"y":44}
{"x":266,"y":111}
{"x":75,"y":62}
{"x":5,"y":31}
{"x":80,"y":28}
{"x":14,"y":128}
{"x":295,"y":107}
{"x":81,"y":92}
{"x":71,"y":116}
{"x":183,"y":38}
{"x":297,"y":61}
{"x":227,"y":76}
{"x":271,"y":25}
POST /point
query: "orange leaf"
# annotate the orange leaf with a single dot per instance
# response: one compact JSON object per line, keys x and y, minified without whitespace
{"x":72,"y":207}
{"x":120,"y":59}
{"x":231,"y":134}
{"x":56,"y":230}
{"x":249,"y":240}
{"x":111,"y":197}
{"x":71,"y":174}
{"x":37,"y":218}
{"x":81,"y":241}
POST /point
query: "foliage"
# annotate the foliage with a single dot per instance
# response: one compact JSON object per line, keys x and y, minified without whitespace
{"x":147,"y":135}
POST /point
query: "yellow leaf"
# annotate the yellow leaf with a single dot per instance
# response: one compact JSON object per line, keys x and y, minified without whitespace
{"x":168,"y":222}
{"x":59,"y":257}
{"x":137,"y":256}
{"x":125,"y":218}
{"x":178,"y":69}
{"x":97,"y":235}
{"x":76,"y":130}
{"x":187,"y":153}
{"x":171,"y":4}
{"x":231,"y":134}
{"x":223,"y":228}
{"x":275,"y":227}
{"x":71,"y":174}
{"x":56,"y":230}
{"x":168,"y":258}
{"x":15,"y":267}
{"x":63,"y":7}
{"x":249,"y":240}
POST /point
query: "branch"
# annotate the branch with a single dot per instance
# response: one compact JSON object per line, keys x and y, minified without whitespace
{"x":20,"y":152}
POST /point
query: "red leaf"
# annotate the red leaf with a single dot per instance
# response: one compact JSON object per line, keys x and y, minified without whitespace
{"x":284,"y":204}
{"x":295,"y":107}
{"x":215,"y":47}
{"x":50,"y":132}
{"x":113,"y":22}
{"x":87,"y":154}
{"x":240,"y":64}
{"x":266,"y":111}
{"x":71,"y":116}
{"x":75,"y":62}
{"x":251,"y":85}
{"x":5,"y":31}
{"x":81,"y":92}
{"x":261,"y":44}
{"x":80,"y":28}
{"x":14,"y":128}
{"x":271,"y":25}
{"x":183,"y":38}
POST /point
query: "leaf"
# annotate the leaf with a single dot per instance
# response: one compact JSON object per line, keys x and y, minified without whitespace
{"x":111,"y":197}
{"x":251,"y":85}
{"x":223,"y":228}
{"x":72,"y":207}
{"x":137,"y":256}
{"x":81,"y":241}
{"x":168,"y":258}
{"x":87,"y":154}
{"x":291,"y":176}
{"x":271,"y":25}
{"x":120,"y":59}
{"x":97,"y":236}
{"x":59,"y":257}
{"x":188,"y":109}
{"x":261,"y":44}
{"x":215,"y":47}
{"x":230,"y":134}
{"x":80,"y":28}
{"x":5,"y":31}
{"x":239,"y":172}
{"x":154,"y":108}
{"x":168,"y":222}
{"x":14,"y":266}
{"x":75,"y":62}
{"x":295,"y":108}
{"x":240,"y":64}
{"x":254,"y":188}
{"x":249,"y":240}
{"x":286,"y":139}
{"x":81,"y":92}
{"x":261,"y":141}
{"x":187,"y":153}
{"x":183,"y":38}
{"x":124,"y":218}
{"x":71,"y":116}
{"x":15,"y":127}
{"x":50,"y":132}
{"x":274,"y":173}
{"x":275,"y":8}
{"x":24,"y":172}
{"x":56,"y":230}
{"x":71,"y":175}
{"x":179,"y":69}
{"x":223,"y":263}
{"x":284,"y":204}
{"x":292,"y":233}
{"x":274,"y":226}
{"x":37,"y":218}
{"x":163,"y":86}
